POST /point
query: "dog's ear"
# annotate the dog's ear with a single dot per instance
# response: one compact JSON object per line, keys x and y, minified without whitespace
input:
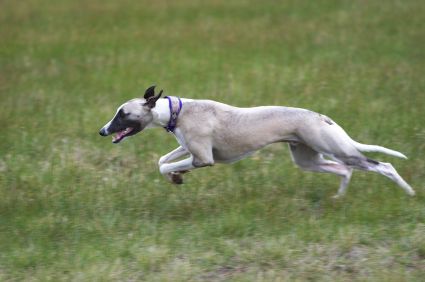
{"x":151,"y":101}
{"x":150,"y":92}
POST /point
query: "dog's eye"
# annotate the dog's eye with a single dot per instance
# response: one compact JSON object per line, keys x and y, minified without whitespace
{"x":122,"y":114}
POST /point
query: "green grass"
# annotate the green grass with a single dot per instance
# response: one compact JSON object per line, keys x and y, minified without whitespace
{"x":74,"y":207}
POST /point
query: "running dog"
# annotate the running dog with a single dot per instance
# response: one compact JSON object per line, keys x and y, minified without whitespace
{"x":210,"y":132}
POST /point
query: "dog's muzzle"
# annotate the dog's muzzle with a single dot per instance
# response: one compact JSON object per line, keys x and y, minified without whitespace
{"x":103,"y":132}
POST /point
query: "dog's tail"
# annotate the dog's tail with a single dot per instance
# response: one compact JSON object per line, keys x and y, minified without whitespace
{"x":376,"y":148}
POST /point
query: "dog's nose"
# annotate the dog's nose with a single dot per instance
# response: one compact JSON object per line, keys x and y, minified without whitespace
{"x":102,"y":132}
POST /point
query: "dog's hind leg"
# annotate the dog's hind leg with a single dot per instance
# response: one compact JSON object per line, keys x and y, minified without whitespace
{"x":385,"y":169}
{"x":308,"y":159}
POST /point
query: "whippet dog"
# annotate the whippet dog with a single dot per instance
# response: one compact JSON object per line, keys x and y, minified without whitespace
{"x":210,"y":132}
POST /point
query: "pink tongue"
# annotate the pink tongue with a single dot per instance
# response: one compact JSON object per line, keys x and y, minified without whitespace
{"x":118,"y":136}
{"x":121,"y":134}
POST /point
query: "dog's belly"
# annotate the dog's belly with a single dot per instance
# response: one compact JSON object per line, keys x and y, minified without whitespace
{"x":229,"y":157}
{"x":225,"y":153}
{"x":234,"y":147}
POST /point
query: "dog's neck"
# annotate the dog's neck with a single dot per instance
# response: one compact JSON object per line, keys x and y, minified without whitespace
{"x":161,"y":112}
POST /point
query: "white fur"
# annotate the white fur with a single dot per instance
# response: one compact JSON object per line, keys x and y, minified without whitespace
{"x":210,"y":132}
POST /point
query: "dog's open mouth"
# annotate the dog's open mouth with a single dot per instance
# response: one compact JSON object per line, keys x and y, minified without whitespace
{"x":121,"y":135}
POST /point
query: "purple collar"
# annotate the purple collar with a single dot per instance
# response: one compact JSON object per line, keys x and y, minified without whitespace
{"x":175,"y":105}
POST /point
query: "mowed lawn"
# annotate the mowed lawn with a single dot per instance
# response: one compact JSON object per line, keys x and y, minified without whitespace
{"x":75,"y":207}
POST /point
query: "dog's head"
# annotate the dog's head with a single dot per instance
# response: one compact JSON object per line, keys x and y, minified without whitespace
{"x":132,"y":116}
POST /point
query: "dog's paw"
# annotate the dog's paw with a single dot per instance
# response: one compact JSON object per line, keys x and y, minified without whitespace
{"x":411,"y":193}
{"x":337,"y":196}
{"x":175,"y":178}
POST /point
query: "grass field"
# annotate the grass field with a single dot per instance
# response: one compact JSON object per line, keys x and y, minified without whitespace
{"x":75,"y":207}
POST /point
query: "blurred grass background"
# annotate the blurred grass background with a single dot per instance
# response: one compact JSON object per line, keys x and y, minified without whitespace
{"x":74,"y":207}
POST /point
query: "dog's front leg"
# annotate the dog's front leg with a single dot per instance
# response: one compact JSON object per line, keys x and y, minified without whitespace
{"x":173,"y":171}
{"x":171,"y":156}
{"x":173,"y":177}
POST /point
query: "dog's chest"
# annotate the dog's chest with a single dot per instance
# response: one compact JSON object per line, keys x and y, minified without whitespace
{"x":180,"y":138}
